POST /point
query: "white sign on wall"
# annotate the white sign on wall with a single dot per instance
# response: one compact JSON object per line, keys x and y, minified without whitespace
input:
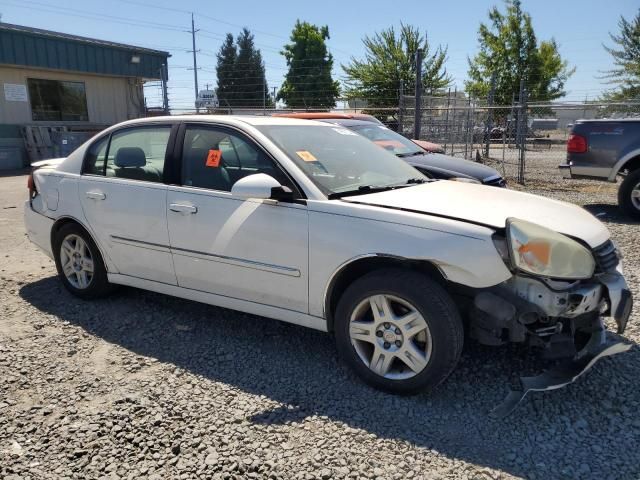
{"x":15,"y":92}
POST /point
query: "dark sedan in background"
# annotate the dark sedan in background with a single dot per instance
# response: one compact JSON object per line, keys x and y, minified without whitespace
{"x":434,"y":165}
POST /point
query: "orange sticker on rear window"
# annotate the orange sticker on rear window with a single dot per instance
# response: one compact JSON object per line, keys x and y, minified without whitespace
{"x":213,"y":159}
{"x":306,"y":156}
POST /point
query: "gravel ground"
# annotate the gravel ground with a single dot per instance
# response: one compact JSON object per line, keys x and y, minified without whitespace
{"x":146,"y":386}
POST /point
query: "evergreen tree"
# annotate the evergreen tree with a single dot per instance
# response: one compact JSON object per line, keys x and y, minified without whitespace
{"x":308,"y":83}
{"x":509,"y":50}
{"x":250,"y":86}
{"x":225,"y":71}
{"x":241,"y":75}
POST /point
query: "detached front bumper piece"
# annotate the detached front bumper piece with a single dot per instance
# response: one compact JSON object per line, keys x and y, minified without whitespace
{"x":620,"y":299}
{"x":563,"y":374}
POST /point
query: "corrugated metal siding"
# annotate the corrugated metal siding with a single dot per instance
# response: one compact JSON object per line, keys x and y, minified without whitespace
{"x":110,"y":99}
{"x":40,"y":51}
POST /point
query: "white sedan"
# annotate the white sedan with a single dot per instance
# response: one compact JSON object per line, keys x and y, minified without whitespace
{"x":312,"y":224}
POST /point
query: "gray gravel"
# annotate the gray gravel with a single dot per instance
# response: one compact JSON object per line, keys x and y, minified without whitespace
{"x":146,"y":386}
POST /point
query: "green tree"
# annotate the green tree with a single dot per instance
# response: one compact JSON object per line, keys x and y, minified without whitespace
{"x":225,"y":71}
{"x":626,"y":58}
{"x":250,"y":87}
{"x":509,"y":50}
{"x":389,"y":63}
{"x":308,"y":83}
{"x":241,"y":75}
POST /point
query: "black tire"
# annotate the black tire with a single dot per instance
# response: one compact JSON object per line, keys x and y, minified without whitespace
{"x":431,"y":301}
{"x":98,"y":286}
{"x":630,"y":183}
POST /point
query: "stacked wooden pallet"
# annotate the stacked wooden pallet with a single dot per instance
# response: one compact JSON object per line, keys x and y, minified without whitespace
{"x":37,"y":140}
{"x":53,"y":141}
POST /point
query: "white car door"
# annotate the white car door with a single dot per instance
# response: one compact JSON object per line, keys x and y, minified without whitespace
{"x":254,"y":250}
{"x":123,"y":197}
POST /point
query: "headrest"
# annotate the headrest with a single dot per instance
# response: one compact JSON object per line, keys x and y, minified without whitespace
{"x":130,"y":157}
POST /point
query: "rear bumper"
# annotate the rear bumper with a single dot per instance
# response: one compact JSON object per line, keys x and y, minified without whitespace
{"x":38,"y":228}
{"x":565,"y":170}
{"x":585,"y":172}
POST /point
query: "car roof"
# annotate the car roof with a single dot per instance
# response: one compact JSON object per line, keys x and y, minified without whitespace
{"x":230,"y":119}
{"x":365,"y":117}
{"x":348,"y":122}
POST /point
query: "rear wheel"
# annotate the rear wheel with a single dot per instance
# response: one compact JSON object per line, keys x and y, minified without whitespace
{"x":629,"y":194}
{"x":79,"y":264}
{"x":399,"y":331}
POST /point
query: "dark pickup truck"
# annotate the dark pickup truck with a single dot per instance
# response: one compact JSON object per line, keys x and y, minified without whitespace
{"x":605,"y":150}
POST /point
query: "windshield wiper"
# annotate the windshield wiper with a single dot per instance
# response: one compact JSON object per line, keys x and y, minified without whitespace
{"x":364,"y":189}
{"x":412,"y":154}
{"x":416,"y":180}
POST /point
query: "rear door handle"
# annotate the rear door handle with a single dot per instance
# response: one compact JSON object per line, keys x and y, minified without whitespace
{"x":182,"y":208}
{"x":96,"y":195}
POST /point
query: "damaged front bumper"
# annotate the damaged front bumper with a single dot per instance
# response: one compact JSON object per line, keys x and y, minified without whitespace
{"x":561,"y":375}
{"x":549,"y":314}
{"x":561,"y":319}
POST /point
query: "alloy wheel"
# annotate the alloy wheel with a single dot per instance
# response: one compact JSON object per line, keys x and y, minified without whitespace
{"x":635,"y":196}
{"x":76,"y":261}
{"x":390,"y":336}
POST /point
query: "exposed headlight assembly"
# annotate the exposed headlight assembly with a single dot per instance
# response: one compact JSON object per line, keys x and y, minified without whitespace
{"x":540,"y":251}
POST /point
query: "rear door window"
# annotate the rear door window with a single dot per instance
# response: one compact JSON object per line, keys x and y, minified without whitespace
{"x":138,"y":153}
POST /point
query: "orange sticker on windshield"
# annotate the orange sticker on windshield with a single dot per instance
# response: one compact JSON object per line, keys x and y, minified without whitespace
{"x":213,"y":159}
{"x":306,"y":156}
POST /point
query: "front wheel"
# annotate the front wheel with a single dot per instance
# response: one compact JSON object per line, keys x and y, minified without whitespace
{"x":629,"y":194}
{"x":79,"y":264}
{"x":399,"y":331}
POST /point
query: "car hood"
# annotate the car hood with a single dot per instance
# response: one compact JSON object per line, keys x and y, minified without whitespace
{"x":456,"y":166}
{"x":491,"y":207}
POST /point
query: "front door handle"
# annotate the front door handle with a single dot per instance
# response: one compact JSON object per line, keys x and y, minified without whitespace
{"x":183,"y":208}
{"x":96,"y":195}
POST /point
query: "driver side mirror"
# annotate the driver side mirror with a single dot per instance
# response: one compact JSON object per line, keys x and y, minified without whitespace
{"x":261,"y":186}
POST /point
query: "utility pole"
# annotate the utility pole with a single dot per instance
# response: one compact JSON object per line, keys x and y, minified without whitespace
{"x":400,"y":108}
{"x":275,"y":96}
{"x":264,"y":96}
{"x":418,"y":105}
{"x":489,"y":126}
{"x":165,"y":94}
{"x":195,"y":60}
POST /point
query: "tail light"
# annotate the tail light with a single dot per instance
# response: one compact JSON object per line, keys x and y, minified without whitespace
{"x":31,"y":185}
{"x":576,"y":144}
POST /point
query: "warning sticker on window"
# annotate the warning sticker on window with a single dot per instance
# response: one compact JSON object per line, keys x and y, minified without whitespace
{"x":306,"y":156}
{"x":213,"y":159}
{"x":344,"y":131}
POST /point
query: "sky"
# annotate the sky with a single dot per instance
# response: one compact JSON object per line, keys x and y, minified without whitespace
{"x":579,"y":26}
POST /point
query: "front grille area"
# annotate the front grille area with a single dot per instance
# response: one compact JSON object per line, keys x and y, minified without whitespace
{"x":496,"y":182}
{"x":606,"y":256}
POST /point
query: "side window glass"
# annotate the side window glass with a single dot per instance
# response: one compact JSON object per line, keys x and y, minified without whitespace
{"x":138,"y":153}
{"x":95,"y":157}
{"x":216,"y":159}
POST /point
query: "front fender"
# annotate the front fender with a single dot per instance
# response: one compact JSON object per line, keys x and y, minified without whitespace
{"x":464,"y":253}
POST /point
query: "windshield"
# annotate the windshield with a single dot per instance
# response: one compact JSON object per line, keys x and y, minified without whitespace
{"x":338,"y":160}
{"x":388,"y":139}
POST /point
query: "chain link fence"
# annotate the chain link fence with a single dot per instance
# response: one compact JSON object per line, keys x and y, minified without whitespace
{"x":518,"y":140}
{"x":522,"y":140}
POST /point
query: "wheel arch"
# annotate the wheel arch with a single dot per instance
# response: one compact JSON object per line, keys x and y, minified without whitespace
{"x":364,"y":264}
{"x":631,"y":161}
{"x":65,"y":220}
